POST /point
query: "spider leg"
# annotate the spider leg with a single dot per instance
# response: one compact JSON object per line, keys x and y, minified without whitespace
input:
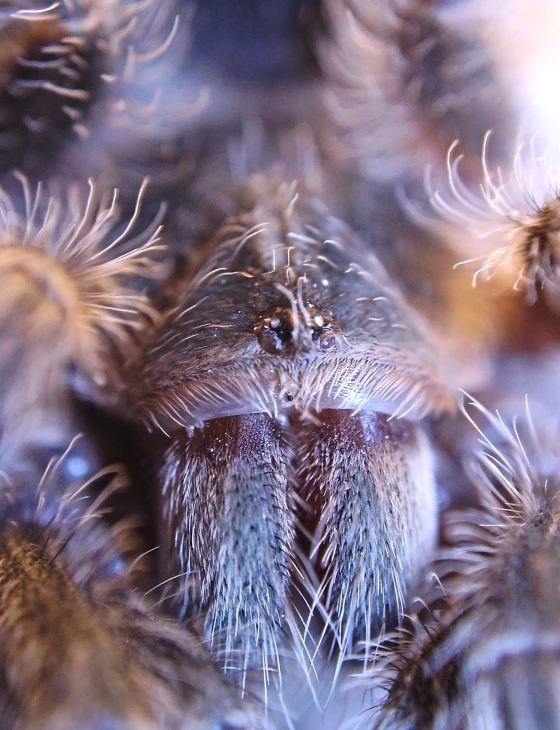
{"x":78,"y":646}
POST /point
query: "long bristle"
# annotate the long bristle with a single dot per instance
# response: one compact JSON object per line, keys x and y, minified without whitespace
{"x":70,"y":269}
{"x":404,"y":76}
{"x":81,"y":78}
{"x":508,"y":228}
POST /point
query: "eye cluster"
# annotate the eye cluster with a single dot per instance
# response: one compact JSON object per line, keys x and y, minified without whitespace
{"x":279,"y":333}
{"x":240,"y":311}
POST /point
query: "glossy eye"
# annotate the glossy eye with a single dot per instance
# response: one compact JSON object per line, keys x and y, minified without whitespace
{"x":274,"y":333}
{"x":327,"y":341}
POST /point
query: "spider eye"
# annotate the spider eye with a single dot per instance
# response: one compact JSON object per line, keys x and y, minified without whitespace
{"x":274,"y":334}
{"x":327,"y":341}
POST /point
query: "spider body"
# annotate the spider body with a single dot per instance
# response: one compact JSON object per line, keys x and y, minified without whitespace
{"x":276,"y":396}
{"x":292,"y":327}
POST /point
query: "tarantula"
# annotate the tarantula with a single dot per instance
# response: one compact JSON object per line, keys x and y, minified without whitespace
{"x":228,"y":248}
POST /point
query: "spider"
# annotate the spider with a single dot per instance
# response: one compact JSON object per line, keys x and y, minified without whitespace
{"x":226,"y":270}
